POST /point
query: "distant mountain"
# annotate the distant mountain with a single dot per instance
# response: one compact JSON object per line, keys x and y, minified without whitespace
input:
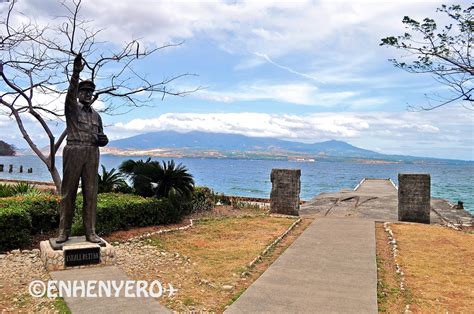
{"x":235,"y":142}
{"x":170,"y":144}
{"x":6,"y":149}
{"x":222,"y":145}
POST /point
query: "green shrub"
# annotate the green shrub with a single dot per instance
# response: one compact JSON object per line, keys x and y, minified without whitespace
{"x":23,"y":216}
{"x":117,"y":211}
{"x":43,"y":210}
{"x":203,"y":199}
{"x":15,"y":224}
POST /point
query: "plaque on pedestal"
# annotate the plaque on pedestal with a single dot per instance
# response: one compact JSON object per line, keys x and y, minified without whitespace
{"x":75,"y":253}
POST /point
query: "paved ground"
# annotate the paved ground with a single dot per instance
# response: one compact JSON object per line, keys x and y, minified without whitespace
{"x":376,"y":199}
{"x":105,"y":304}
{"x":330,"y":268}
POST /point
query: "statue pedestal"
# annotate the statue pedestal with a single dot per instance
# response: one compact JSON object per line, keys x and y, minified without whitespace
{"x":76,"y":253}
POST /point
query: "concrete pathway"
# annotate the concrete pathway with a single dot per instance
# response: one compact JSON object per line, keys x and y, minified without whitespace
{"x":330,"y":268}
{"x":105,"y":304}
{"x":376,"y":186}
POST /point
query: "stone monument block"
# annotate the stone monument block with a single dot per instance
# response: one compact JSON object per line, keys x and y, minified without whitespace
{"x":414,"y":195}
{"x":76,"y":253}
{"x":285,"y":195}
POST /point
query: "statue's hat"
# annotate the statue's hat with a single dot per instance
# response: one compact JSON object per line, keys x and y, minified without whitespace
{"x":87,"y":84}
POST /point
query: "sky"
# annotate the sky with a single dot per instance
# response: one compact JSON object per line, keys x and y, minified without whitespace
{"x":306,"y":71}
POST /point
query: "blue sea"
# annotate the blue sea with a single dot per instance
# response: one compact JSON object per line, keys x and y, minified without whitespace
{"x":244,"y":177}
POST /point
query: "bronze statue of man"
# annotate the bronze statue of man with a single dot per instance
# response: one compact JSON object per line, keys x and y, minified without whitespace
{"x":80,"y":155}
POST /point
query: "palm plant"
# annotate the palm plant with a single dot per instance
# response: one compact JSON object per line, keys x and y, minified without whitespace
{"x":141,"y":174}
{"x":127,"y":166}
{"x":174,"y":179}
{"x":152,"y":178}
{"x":110,"y":181}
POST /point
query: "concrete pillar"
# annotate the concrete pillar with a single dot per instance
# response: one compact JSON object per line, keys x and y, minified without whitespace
{"x":285,"y":195}
{"x":414,"y":195}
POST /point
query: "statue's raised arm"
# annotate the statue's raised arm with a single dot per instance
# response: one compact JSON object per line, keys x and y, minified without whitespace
{"x":71,"y":97}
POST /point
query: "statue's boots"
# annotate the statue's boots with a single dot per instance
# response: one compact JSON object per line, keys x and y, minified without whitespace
{"x":92,"y":237}
{"x":63,"y":237}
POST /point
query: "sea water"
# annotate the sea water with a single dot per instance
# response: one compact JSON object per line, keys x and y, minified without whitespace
{"x":246,"y":177}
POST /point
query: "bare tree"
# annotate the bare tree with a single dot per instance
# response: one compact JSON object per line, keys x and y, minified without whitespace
{"x":37,"y":60}
{"x":446,"y":53}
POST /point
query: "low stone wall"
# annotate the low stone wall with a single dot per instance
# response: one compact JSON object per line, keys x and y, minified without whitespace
{"x":253,"y":199}
{"x":47,"y":183}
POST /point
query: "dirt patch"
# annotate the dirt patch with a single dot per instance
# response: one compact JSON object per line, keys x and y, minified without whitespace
{"x":17,"y":271}
{"x":439,"y":267}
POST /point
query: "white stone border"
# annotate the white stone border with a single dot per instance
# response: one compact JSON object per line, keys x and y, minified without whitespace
{"x":393,"y":244}
{"x":149,"y":234}
{"x":275,"y":242}
{"x":284,"y":216}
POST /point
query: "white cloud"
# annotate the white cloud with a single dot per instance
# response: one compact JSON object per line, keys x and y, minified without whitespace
{"x":274,"y":28}
{"x":423,"y":133}
{"x":302,"y":94}
{"x":292,"y":93}
{"x":331,"y":42}
{"x":252,"y":124}
{"x":267,"y":58}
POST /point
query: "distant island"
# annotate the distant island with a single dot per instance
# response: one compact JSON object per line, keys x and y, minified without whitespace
{"x":169,"y":144}
{"x":6,"y":149}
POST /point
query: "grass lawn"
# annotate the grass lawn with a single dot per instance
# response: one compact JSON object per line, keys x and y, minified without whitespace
{"x":227,"y":243}
{"x":438,"y":264}
{"x":214,"y":256}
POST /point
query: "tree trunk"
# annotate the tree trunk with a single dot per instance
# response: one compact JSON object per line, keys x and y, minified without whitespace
{"x":56,"y":179}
